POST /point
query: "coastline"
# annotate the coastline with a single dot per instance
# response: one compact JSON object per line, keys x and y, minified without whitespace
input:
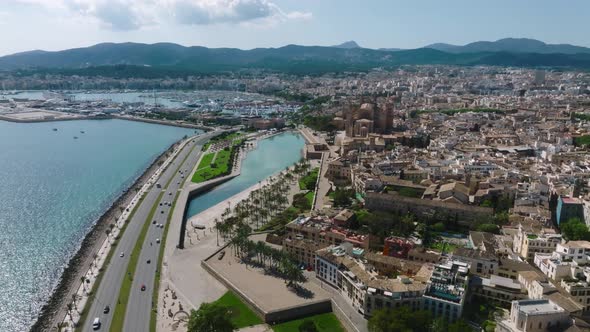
{"x":54,"y":309}
{"x":163,"y":122}
{"x":108,"y":117}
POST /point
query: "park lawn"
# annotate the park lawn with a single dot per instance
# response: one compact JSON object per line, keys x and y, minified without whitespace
{"x":222,"y":160}
{"x":323,"y":322}
{"x":309,"y":197}
{"x":206,"y":160}
{"x":242,"y":315}
{"x":206,"y":172}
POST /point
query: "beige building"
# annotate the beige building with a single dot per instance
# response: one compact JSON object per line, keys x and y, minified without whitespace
{"x":391,"y":201}
{"x":528,"y":243}
{"x":498,"y":290}
{"x":339,"y":171}
{"x":482,"y":263}
{"x":302,"y":250}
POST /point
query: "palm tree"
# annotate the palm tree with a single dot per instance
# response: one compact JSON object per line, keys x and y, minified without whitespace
{"x":69,"y":308}
{"x":83,"y":280}
{"x":74,"y":301}
{"x":259,"y":249}
{"x":217,"y":230}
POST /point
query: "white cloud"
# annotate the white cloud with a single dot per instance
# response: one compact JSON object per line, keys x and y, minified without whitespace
{"x":135,"y":14}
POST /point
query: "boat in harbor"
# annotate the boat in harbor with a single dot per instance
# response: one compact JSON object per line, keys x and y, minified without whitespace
{"x":75,"y":137}
{"x":82,"y":131}
{"x":54,"y":129}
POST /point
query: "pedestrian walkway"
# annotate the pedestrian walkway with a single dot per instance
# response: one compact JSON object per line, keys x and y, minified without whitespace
{"x":79,"y":301}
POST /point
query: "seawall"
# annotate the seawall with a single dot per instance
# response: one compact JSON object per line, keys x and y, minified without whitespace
{"x":54,"y":310}
{"x":164,"y":122}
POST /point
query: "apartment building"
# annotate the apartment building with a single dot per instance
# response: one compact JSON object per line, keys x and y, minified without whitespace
{"x":528,"y":242}
{"x":445,"y":294}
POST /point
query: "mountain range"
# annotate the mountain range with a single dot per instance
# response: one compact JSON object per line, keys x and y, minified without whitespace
{"x":513,"y":45}
{"x":349,"y":56}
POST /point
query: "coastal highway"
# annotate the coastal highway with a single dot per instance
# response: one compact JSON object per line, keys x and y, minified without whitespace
{"x":140,"y":302}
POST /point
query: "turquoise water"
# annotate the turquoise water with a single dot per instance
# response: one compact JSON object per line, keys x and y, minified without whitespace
{"x":52,"y":189}
{"x":271,"y":156}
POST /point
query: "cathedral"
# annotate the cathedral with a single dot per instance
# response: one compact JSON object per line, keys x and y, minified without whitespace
{"x":367,"y":119}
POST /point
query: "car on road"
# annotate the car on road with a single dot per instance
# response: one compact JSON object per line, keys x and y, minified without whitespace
{"x":149,"y":261}
{"x":170,"y":193}
{"x":157,"y":240}
{"x":122,"y":254}
{"x":106,"y":310}
{"x":96,"y":323}
{"x":162,"y":211}
{"x":154,"y":221}
{"x":142,"y":287}
{"x":221,"y":254}
{"x":160,"y":203}
{"x":161,"y":226}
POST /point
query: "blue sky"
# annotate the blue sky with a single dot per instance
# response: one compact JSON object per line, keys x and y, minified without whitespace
{"x":61,"y":24}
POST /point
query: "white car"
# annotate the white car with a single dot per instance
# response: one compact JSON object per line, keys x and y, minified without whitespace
{"x":122,"y":254}
{"x":157,"y":240}
{"x":96,"y":324}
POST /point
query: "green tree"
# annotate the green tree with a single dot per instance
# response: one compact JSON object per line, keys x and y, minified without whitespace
{"x":460,"y":326}
{"x":440,"y":325}
{"x":575,"y":229}
{"x":400,"y":319}
{"x":301,"y":202}
{"x":487,"y":203}
{"x":343,"y":197}
{"x":211,"y":317}
{"x":438,"y":227}
{"x":425,"y":234}
{"x":502,"y":218}
{"x":490,"y":228}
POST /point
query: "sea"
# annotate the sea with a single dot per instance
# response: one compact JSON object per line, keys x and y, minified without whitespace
{"x":56,"y":180}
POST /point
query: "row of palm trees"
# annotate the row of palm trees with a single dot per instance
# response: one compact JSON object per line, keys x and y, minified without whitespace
{"x":257,"y":210}
{"x":262,"y":204}
{"x":271,"y":259}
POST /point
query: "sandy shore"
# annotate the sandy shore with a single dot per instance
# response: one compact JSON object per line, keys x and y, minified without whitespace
{"x":55,"y":308}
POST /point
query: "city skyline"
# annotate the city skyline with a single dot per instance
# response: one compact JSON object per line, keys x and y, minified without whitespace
{"x":247,"y":24}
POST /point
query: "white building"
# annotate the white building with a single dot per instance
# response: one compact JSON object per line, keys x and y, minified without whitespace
{"x":534,"y":316}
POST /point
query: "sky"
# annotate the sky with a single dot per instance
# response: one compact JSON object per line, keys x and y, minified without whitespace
{"x":61,"y":24}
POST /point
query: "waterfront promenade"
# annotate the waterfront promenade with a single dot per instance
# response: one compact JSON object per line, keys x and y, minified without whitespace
{"x":109,"y":290}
